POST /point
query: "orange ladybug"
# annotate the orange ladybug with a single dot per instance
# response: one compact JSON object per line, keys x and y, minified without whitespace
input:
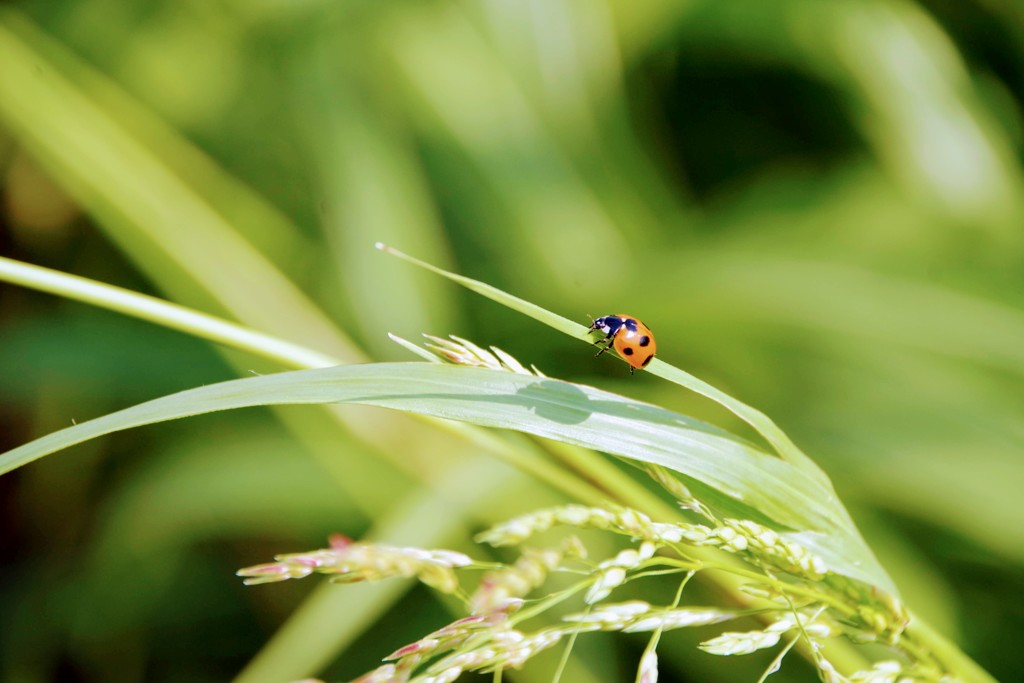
{"x":631,"y":338}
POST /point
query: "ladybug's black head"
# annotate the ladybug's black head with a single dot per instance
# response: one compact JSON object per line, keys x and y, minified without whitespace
{"x":609,"y":324}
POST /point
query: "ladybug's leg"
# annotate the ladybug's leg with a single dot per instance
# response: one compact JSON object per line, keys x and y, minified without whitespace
{"x":610,"y":339}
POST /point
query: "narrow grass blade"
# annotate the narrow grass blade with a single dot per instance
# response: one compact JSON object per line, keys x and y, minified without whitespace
{"x":161,"y":312}
{"x":755,"y":418}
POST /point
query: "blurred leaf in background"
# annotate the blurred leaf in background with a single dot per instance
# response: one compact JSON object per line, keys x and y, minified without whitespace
{"x":817,"y":206}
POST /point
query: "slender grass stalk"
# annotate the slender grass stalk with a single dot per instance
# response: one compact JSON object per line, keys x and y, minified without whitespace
{"x":563,"y":661}
{"x":652,"y":644}
{"x":162,"y":313}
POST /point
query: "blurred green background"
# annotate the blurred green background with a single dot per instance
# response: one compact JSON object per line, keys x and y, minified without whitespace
{"x":817,"y":206}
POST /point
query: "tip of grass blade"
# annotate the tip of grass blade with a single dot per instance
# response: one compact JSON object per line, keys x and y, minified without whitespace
{"x":523,"y":306}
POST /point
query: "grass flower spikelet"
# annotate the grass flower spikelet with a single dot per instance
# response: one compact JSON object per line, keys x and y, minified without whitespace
{"x":350,"y":562}
{"x":804,"y":602}
{"x":648,"y":672}
{"x":459,"y":351}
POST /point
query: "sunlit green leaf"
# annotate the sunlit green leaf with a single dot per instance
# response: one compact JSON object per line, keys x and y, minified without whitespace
{"x":740,"y":479}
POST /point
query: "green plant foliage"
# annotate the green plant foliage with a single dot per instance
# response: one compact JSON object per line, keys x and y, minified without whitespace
{"x":816,"y":206}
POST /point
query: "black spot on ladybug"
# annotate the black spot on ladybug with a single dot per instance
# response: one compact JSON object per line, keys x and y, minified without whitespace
{"x":627,"y":351}
{"x":646,"y":361}
{"x":645,"y":340}
{"x":630,"y":324}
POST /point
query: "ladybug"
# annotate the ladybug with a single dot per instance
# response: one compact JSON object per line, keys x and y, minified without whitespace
{"x":631,"y":338}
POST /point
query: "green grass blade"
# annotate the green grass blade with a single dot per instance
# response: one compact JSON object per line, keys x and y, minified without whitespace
{"x":733,"y":475}
{"x":560,"y":323}
{"x":161,"y":312}
{"x":755,"y":418}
